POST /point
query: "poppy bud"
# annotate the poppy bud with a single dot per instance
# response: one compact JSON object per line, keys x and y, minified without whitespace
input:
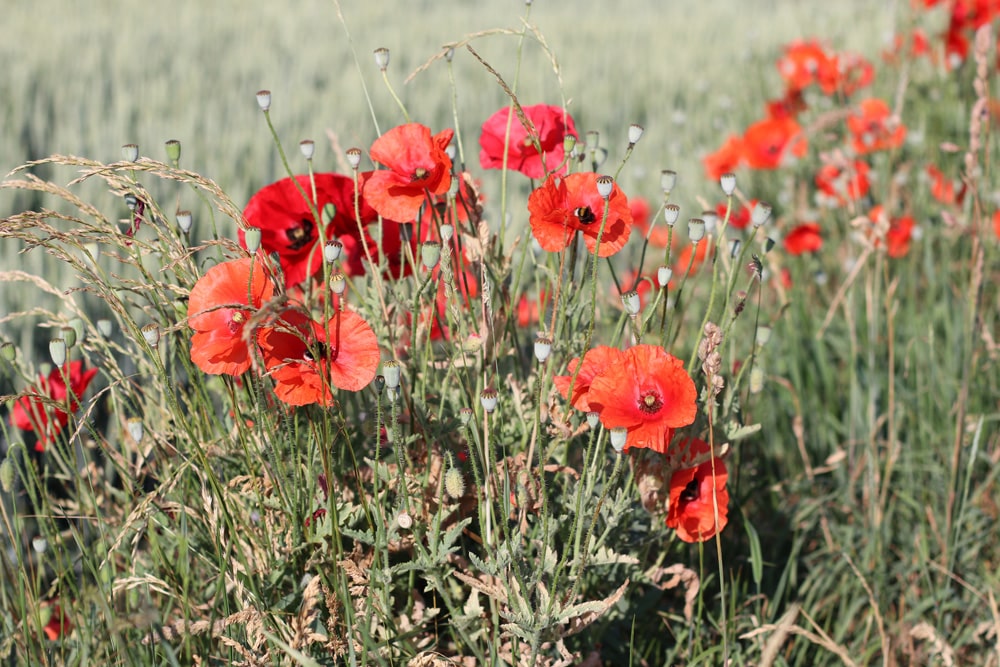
{"x":756,"y":380}
{"x":392,"y":371}
{"x":465,"y":416}
{"x":184,"y":221}
{"x":631,"y":302}
{"x":668,"y":179}
{"x":430,"y":254}
{"x":251,"y":236}
{"x":760,"y":213}
{"x":618,"y":437}
{"x":728,"y":183}
{"x":151,"y":332}
{"x":447,"y":231}
{"x":308,"y":148}
{"x":671,"y":212}
{"x":7,"y":474}
{"x":135,"y":429}
{"x":332,"y":250}
{"x":605,"y":185}
{"x":8,"y":351}
{"x":382,"y":58}
{"x":173,"y":151}
{"x":404,"y":521}
{"x":69,"y":335}
{"x":711,"y":219}
{"x":593,"y":138}
{"x":454,"y":483}
{"x":354,"y":157}
{"x":593,"y":419}
{"x":104,"y":327}
{"x":338,"y":283}
{"x":696,"y":229}
{"x":634,"y":133}
{"x":543,"y":346}
{"x":57,"y":351}
{"x":264,"y":100}
{"x":489,"y":399}
{"x":768,"y":244}
{"x":379,"y":383}
{"x":763,"y":335}
{"x":130,"y":152}
{"x":663,"y":275}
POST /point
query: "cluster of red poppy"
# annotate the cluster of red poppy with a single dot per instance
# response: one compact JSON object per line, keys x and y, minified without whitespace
{"x":646,"y":391}
{"x":45,"y":408}
{"x":964,"y":18}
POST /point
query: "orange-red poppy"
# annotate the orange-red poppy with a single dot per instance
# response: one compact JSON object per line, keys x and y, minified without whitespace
{"x":873,"y":127}
{"x":740,"y":217}
{"x":594,"y":361}
{"x":726,"y":159}
{"x":552,"y":125}
{"x":562,"y":206}
{"x":221,"y":303}
{"x":309,"y":359}
{"x":804,"y":238}
{"x":696,"y":493}
{"x":805,"y":63}
{"x":58,"y":623}
{"x":768,"y":143}
{"x":44,"y":409}
{"x":899,"y":234}
{"x":417,"y":167}
{"x":788,"y":106}
{"x":648,"y":392}
{"x":943,"y":188}
{"x":843,"y":181}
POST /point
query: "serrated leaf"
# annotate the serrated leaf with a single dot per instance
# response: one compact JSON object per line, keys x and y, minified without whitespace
{"x":606,"y":556}
{"x":736,"y":432}
{"x":583,"y":614}
{"x":363,"y":536}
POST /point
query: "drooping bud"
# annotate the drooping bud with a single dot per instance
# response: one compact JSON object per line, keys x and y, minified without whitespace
{"x":130,"y":152}
{"x":671,"y":212}
{"x":173,"y":151}
{"x":618,"y":437}
{"x":184,"y":221}
{"x":308,"y":148}
{"x":354,"y":157}
{"x":57,"y":351}
{"x":696,"y":229}
{"x":605,"y":185}
{"x":382,"y":58}
{"x":728,"y":183}
{"x":252,"y":236}
{"x":489,"y":399}
{"x":264,"y":99}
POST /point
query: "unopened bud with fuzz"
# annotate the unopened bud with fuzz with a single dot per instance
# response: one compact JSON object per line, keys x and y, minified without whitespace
{"x":57,"y":351}
{"x":454,"y":483}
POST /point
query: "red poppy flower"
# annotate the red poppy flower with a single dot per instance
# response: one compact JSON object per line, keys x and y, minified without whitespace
{"x":289,"y":228}
{"x":726,"y":159}
{"x":308,"y":359}
{"x":594,"y":361}
{"x":529,"y":310}
{"x":695,"y":493}
{"x":58,"y":623}
{"x":873,"y":127}
{"x":551,"y":126}
{"x":220,"y":304}
{"x":648,"y":392}
{"x":693,"y":255}
{"x":740,"y":217}
{"x":850,"y":73}
{"x":996,"y":224}
{"x":44,"y":409}
{"x":943,"y":188}
{"x":900,"y":232}
{"x":804,"y":238}
{"x":417,"y":167}
{"x":843,"y":182}
{"x":788,"y":106}
{"x":805,"y":63}
{"x":768,"y":143}
{"x":563,"y":206}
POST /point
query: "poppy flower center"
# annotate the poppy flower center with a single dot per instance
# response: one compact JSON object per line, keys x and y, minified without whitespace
{"x":419,"y":174}
{"x":299,"y":236}
{"x":584,"y":215}
{"x":690,"y":492}
{"x":322,"y":350}
{"x":236,"y":321}
{"x":650,"y":403}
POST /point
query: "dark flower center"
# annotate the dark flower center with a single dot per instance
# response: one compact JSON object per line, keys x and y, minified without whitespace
{"x":584,"y":215}
{"x":650,"y":403}
{"x":690,"y":492}
{"x":299,"y":236}
{"x":322,"y":350}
